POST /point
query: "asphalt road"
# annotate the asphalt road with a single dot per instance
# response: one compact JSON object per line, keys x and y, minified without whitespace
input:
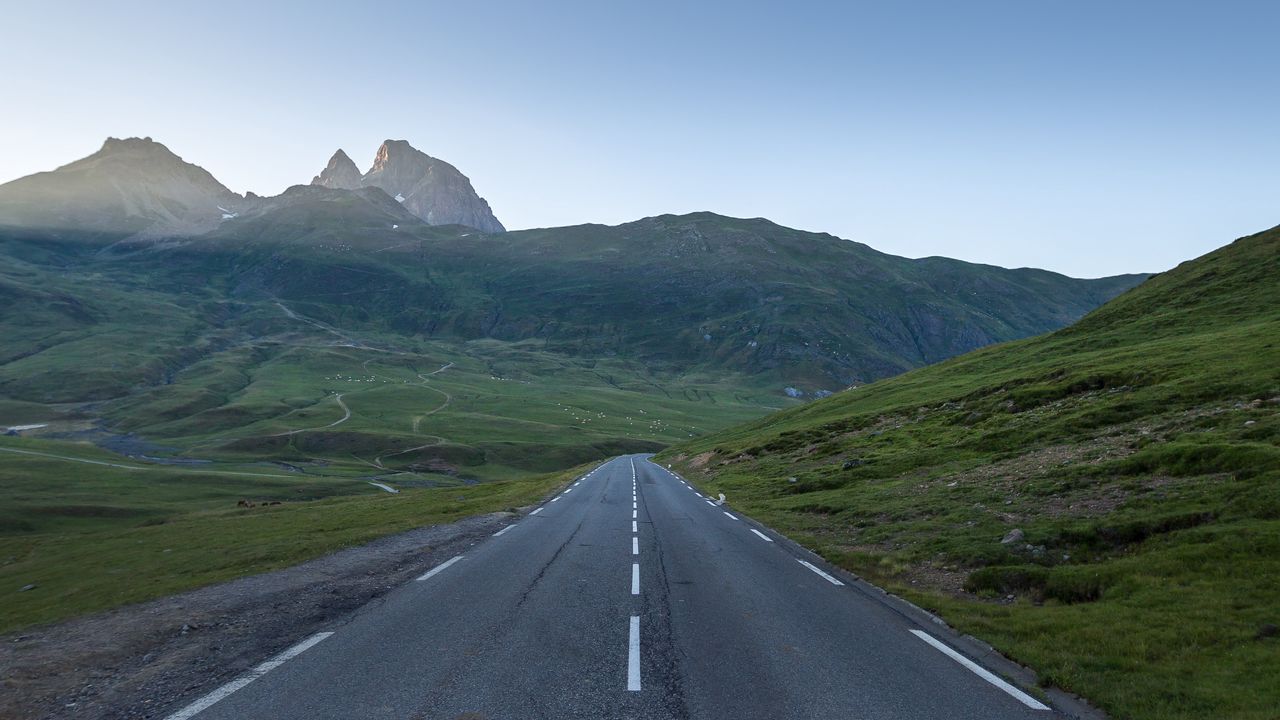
{"x":621,"y":598}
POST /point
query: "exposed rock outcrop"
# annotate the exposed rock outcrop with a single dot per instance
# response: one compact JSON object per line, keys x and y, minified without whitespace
{"x":340,"y":174}
{"x":428,"y":187}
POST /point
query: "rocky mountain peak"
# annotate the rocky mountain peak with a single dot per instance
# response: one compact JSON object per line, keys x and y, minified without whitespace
{"x":133,"y":144}
{"x":427,"y":187}
{"x":340,"y":174}
{"x":140,"y":152}
{"x":397,"y":151}
{"x":129,"y":186}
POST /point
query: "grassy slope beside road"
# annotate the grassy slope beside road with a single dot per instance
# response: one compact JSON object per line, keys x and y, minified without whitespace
{"x":1136,"y":453}
{"x":91,"y":537}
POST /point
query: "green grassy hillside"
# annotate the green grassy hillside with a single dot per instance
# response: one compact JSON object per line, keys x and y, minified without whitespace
{"x":1101,"y":503}
{"x":699,"y":291}
{"x":77,"y":537}
{"x":310,"y":329}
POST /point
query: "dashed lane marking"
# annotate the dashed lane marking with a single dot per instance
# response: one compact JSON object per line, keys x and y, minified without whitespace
{"x":818,"y":570}
{"x":980,"y":671}
{"x":633,"y":656}
{"x":205,"y":702}
{"x":439,"y":567}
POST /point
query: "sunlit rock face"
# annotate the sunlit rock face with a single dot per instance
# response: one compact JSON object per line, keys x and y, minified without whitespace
{"x":428,"y":187}
{"x":340,"y":174}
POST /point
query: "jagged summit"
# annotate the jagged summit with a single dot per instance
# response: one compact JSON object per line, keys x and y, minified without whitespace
{"x":340,"y":174}
{"x":138,"y":187}
{"x":428,"y":187}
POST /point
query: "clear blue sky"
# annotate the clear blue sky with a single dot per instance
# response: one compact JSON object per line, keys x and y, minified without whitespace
{"x":1085,"y":137}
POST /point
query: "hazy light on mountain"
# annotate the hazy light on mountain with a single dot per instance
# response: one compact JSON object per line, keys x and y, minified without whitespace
{"x":1089,"y":138}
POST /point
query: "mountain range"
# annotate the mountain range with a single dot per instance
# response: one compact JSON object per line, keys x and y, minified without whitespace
{"x":138,"y":187}
{"x":151,"y":267}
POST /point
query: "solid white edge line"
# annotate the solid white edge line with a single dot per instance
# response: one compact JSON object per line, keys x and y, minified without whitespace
{"x":555,"y":498}
{"x":439,"y":567}
{"x":208,"y":700}
{"x":633,"y":656}
{"x":764,"y":537}
{"x":635,"y":546}
{"x":535,"y":512}
{"x":635,"y":578}
{"x":728,"y":515}
{"x":980,"y":671}
{"x":504,"y":529}
{"x":818,"y":570}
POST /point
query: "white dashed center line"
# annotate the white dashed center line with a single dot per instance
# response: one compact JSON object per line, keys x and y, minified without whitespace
{"x":633,"y":656}
{"x":633,"y":526}
{"x":635,"y":578}
{"x":635,"y":546}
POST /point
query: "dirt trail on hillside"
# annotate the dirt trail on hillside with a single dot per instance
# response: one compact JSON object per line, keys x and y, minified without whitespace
{"x":139,"y":661}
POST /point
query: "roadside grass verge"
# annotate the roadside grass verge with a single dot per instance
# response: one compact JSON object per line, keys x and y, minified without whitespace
{"x":1101,"y":503}
{"x":94,"y":559}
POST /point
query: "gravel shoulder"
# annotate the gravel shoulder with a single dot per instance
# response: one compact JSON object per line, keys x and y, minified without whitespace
{"x":139,"y":661}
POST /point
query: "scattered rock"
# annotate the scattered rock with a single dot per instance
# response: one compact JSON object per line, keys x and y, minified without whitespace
{"x":25,"y":588}
{"x":852,"y":463}
{"x":1247,"y":423}
{"x":1267,"y":630}
{"x":1013,"y":536}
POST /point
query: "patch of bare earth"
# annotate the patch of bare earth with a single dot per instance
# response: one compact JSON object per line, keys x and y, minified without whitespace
{"x":700,"y":461}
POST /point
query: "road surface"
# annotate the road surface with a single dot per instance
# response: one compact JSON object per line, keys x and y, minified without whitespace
{"x":627,"y":596}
